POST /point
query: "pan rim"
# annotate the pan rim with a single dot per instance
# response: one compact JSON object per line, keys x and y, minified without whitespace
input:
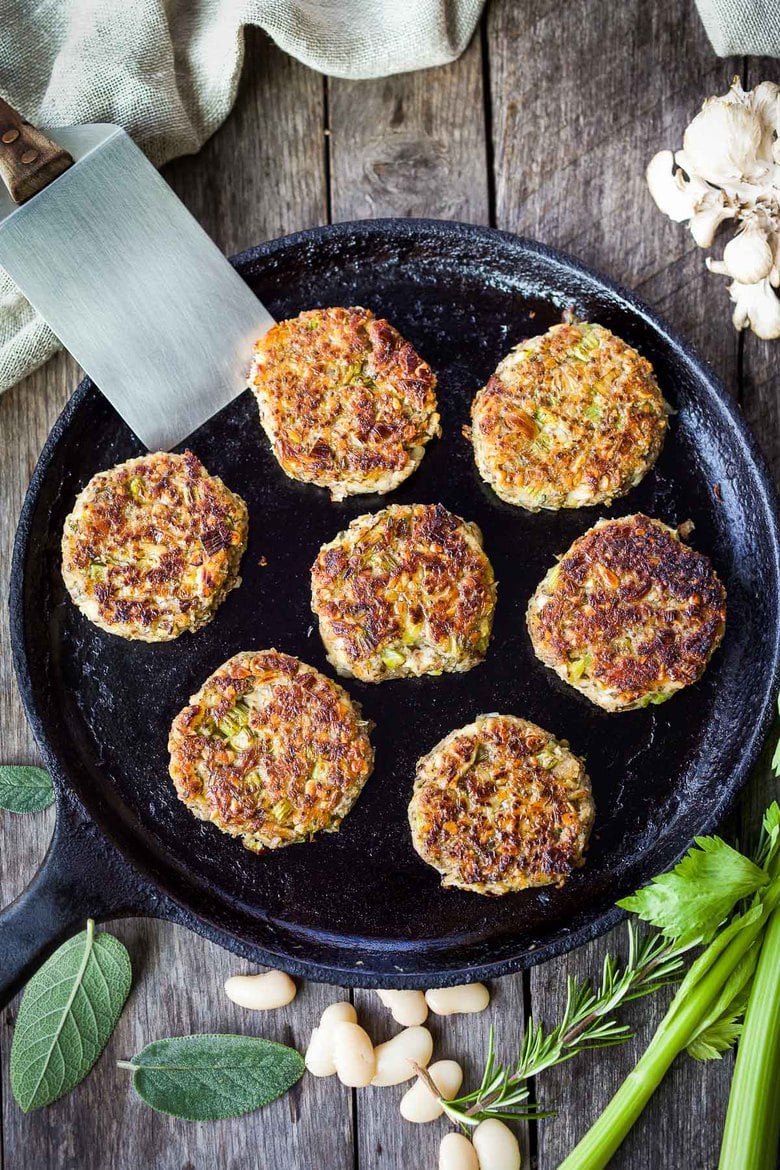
{"x":562,"y":938}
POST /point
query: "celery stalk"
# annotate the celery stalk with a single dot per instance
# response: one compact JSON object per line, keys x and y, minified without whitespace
{"x":750,"y":1138}
{"x":671,"y":1038}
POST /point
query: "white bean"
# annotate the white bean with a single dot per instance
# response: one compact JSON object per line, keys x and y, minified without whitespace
{"x":406,"y":1007}
{"x":353,"y":1054}
{"x":496,"y":1146}
{"x":261,"y":992}
{"x":319,"y":1054}
{"x":418,"y":1104}
{"x":394,"y":1058}
{"x":457,"y":1153}
{"x":450,"y":1001}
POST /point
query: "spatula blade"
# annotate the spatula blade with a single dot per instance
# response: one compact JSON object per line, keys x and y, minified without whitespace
{"x":133,"y":287}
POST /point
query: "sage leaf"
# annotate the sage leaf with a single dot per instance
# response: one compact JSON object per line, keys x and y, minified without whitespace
{"x":69,"y":1009}
{"x":207,"y":1077}
{"x":24,"y":789}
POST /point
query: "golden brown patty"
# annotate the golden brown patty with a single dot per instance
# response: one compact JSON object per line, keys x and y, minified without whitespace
{"x":405,"y":591}
{"x":570,"y":418}
{"x":501,"y":805}
{"x":629,"y":615}
{"x":152,"y":547}
{"x":270,"y":750}
{"x":345,"y":400}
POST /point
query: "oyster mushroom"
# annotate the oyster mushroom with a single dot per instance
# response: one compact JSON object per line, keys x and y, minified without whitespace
{"x":729,"y":169}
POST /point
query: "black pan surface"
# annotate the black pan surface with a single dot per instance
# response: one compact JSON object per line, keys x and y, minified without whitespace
{"x":359,"y":906}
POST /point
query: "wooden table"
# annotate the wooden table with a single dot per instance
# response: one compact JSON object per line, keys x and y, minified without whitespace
{"x":543,"y":127}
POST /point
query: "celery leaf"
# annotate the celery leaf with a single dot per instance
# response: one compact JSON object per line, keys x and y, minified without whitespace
{"x":718,"y":1038}
{"x":689,"y":903}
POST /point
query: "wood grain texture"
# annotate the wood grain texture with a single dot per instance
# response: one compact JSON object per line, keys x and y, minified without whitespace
{"x":582,"y":96}
{"x":261,"y":175}
{"x":412,"y":145}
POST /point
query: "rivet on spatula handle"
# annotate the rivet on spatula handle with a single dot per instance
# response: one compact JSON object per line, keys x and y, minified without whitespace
{"x":29,"y":161}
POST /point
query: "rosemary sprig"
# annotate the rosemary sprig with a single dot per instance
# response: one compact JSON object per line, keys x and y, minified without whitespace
{"x":588,"y":1022}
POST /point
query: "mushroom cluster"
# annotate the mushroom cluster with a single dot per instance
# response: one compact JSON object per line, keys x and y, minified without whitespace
{"x":729,"y":168}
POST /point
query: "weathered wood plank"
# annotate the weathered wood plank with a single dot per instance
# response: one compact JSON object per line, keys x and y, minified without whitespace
{"x":261,"y":175}
{"x":582,"y":96}
{"x":417,"y":149}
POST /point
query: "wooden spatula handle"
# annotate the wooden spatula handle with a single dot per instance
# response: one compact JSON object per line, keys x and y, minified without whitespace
{"x":29,"y":161}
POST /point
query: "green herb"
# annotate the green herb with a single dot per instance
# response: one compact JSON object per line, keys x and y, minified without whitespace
{"x":68,"y":1012}
{"x":208,"y":1077}
{"x":588,"y":1022}
{"x":691,"y":902}
{"x":24,"y":789}
{"x":711,"y":883}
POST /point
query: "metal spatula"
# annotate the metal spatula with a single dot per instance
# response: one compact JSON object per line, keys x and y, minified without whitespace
{"x":125,"y":277}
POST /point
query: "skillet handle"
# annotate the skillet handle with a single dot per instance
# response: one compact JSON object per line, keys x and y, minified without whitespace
{"x":82,"y":876}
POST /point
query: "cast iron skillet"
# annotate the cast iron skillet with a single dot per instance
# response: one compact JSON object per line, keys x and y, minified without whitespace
{"x":359,"y":907}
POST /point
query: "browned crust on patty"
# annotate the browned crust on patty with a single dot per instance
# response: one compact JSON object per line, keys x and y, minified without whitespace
{"x":571,"y":418}
{"x":270,"y":750}
{"x":501,"y":805}
{"x":630,"y":614}
{"x":403,"y":592}
{"x":345,"y":400}
{"x":152,"y":546}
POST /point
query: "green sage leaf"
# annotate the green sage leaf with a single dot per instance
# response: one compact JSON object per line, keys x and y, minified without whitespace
{"x":24,"y":789}
{"x":68,"y":1012}
{"x":207,"y":1077}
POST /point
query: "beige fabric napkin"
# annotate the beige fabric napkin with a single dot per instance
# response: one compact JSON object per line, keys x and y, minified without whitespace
{"x":167,"y":71}
{"x":739,"y":28}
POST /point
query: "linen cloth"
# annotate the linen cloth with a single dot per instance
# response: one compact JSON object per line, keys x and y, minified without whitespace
{"x":167,"y":70}
{"x":739,"y":28}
